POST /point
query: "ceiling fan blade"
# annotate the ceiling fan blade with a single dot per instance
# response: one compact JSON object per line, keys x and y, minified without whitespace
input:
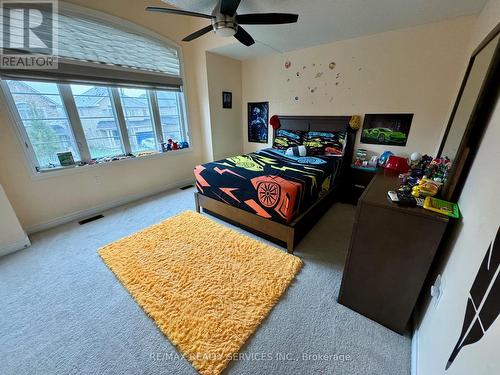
{"x":266,"y":18}
{"x":179,"y":12}
{"x":228,"y":7}
{"x":244,"y":37}
{"x":198,"y":33}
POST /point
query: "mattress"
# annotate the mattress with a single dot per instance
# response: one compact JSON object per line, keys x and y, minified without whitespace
{"x":268,"y":183}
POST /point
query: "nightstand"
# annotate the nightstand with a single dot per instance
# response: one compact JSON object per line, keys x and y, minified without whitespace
{"x":356,"y":183}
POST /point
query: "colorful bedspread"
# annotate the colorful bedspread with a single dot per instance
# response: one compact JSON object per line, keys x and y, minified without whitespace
{"x":267,"y":182}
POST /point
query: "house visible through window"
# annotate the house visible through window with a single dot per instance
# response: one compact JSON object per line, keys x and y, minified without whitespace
{"x":44,"y":116}
{"x":45,"y":120}
{"x":136,"y":108}
{"x":169,"y":104}
{"x":24,"y":110}
{"x":98,"y":120}
{"x":116,"y":93}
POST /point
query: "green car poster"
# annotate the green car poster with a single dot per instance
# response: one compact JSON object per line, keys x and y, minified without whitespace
{"x":386,"y":129}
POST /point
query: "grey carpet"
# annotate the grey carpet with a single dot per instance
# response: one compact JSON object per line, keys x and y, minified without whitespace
{"x":63,"y":312}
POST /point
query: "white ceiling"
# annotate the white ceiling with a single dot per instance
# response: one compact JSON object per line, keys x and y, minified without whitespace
{"x":324,"y":21}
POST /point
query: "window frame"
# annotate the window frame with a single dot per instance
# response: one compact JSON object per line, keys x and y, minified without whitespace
{"x":81,"y":131}
{"x":68,"y":102}
{"x":183,"y":102}
{"x":74,"y":120}
{"x":151,"y":104}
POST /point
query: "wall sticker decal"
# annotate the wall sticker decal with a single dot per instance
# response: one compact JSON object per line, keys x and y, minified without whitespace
{"x":483,"y":304}
{"x":258,"y":117}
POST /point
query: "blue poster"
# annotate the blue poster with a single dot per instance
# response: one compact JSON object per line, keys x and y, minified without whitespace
{"x":258,"y":118}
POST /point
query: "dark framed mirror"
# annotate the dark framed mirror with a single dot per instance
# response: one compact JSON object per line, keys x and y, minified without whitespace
{"x":475,"y":102}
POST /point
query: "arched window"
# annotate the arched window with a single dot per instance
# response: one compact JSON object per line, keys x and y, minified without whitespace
{"x":117,"y":92}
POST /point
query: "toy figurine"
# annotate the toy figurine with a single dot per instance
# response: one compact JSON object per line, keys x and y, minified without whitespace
{"x":172,"y":145}
{"x":438,"y":169}
{"x":383,"y":158}
{"x":426,"y":188}
{"x":360,"y":157}
{"x":426,"y":175}
{"x":415,"y":159}
{"x":418,"y":167}
{"x":373,"y":162}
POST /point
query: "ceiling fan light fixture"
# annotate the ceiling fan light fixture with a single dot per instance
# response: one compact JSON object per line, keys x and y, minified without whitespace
{"x":225,"y":31}
{"x":225,"y":27}
{"x":226,"y":20}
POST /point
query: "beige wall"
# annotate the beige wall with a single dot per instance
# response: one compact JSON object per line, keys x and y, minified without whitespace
{"x":414,"y":70}
{"x":44,"y":202}
{"x":224,"y":74}
{"x":487,"y":20}
{"x":441,"y":324}
{"x":12,"y":236}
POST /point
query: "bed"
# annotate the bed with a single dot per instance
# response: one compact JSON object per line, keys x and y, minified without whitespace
{"x":276,"y":196}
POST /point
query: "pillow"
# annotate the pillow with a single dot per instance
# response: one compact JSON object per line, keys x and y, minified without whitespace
{"x":285,"y":139}
{"x":321,"y":143}
{"x":296,"y":151}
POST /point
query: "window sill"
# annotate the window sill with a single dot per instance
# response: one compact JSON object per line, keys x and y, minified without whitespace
{"x":61,"y":171}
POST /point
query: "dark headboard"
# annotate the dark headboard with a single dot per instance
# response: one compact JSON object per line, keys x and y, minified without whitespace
{"x":324,"y":123}
{"x":314,"y":123}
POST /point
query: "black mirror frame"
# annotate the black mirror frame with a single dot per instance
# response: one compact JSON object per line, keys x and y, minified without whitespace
{"x":478,"y":120}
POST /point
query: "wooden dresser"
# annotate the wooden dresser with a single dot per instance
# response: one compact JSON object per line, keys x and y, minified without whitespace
{"x":389,"y":256}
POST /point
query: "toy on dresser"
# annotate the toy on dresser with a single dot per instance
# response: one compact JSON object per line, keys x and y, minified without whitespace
{"x":170,"y":145}
{"x":362,"y":162}
{"x":424,"y":179}
{"x":360,"y":157}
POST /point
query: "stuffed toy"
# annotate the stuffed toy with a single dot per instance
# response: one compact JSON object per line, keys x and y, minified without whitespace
{"x":355,"y":122}
{"x":275,"y":122}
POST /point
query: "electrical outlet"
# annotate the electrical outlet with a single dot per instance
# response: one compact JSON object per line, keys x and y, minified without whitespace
{"x":437,"y":289}
{"x":98,"y":180}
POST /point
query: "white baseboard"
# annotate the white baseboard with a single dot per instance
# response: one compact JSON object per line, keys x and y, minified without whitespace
{"x":82,"y":214}
{"x":416,"y":320}
{"x":18,"y":245}
{"x":414,"y":353}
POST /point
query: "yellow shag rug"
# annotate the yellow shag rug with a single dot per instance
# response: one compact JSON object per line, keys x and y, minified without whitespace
{"x":206,"y":286}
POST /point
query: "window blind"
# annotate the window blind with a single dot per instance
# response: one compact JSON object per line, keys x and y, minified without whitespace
{"x":91,"y":50}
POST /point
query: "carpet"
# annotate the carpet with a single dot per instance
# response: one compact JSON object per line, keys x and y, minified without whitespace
{"x":207,"y":287}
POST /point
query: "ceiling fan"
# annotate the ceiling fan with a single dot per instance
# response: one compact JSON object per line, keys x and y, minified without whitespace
{"x":226,"y":22}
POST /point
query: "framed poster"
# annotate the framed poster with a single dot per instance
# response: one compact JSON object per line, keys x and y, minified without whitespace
{"x":227,"y":99}
{"x":387,"y":129}
{"x":258,"y":118}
